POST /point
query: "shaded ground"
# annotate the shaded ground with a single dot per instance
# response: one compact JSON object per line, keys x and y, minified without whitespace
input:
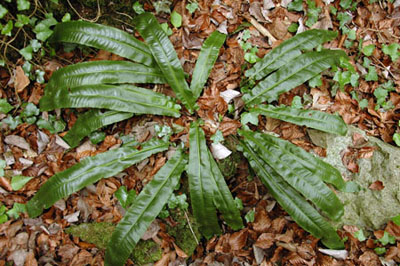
{"x":269,"y":238}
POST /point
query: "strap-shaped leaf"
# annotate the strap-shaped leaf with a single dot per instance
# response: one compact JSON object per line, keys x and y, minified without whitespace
{"x":89,"y":171}
{"x":208,"y":189}
{"x":91,"y":121}
{"x":223,"y":199}
{"x":205,"y":62}
{"x":310,"y":118}
{"x":144,"y":210}
{"x":291,"y":163}
{"x":201,"y":186}
{"x":164,"y":53}
{"x":290,"y":200}
{"x":102,"y":37}
{"x":289,"y":49}
{"x":103,"y":72}
{"x":124,"y":98}
{"x":293,"y":74}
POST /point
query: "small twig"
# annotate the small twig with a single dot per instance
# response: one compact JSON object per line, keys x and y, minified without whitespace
{"x":260,"y":28}
{"x":191,"y":229}
{"x":90,"y":20}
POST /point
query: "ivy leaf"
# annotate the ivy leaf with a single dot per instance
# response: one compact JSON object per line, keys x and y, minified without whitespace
{"x":52,"y":124}
{"x":251,"y":118}
{"x":372,"y":75}
{"x":19,"y":181}
{"x":343,"y":18}
{"x":16,"y":210}
{"x":27,"y":52}
{"x":138,"y":8}
{"x":312,"y":13}
{"x":23,"y":5}
{"x":368,"y":49}
{"x":124,"y":197}
{"x":392,"y":50}
{"x":66,"y":17}
{"x":166,"y":28}
{"x":360,"y":235}
{"x":5,"y":107}
{"x":29,"y":110}
{"x":42,"y":29}
{"x":296,"y":102}
{"x":363,"y":103}
{"x":12,"y":122}
{"x":2,"y":165}
{"x":396,"y":219}
{"x":192,"y":7}
{"x":3,"y":11}
{"x":315,"y":81}
{"x":217,"y":137}
{"x":21,"y":20}
{"x":176,"y":19}
{"x":7,"y":28}
{"x":380,"y":251}
{"x":296,"y":5}
{"x":387,"y":239}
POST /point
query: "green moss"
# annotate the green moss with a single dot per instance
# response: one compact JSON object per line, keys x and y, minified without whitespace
{"x":184,"y":238}
{"x":95,"y":233}
{"x":146,"y":252}
{"x":228,"y":166}
{"x":100,"y":234}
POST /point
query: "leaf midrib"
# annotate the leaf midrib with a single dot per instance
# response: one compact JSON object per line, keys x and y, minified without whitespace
{"x":260,"y":166}
{"x":282,"y":54}
{"x":262,"y":109}
{"x":105,"y":37}
{"x":255,"y":140}
{"x":153,"y":196}
{"x":129,"y":101}
{"x":288,"y":77}
{"x":62,"y":182}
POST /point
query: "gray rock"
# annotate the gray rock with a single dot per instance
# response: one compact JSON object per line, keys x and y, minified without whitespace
{"x":367,"y":209}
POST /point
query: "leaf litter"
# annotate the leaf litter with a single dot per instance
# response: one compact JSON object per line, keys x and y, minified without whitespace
{"x":272,"y":237}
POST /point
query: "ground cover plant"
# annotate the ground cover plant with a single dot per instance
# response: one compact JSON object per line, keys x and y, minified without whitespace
{"x":292,"y":175}
{"x":136,"y":146}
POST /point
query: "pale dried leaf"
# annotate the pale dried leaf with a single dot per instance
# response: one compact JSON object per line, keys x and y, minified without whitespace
{"x":21,"y":81}
{"x":219,"y":151}
{"x":18,"y":141}
{"x":337,"y":254}
{"x":73,"y":217}
{"x":229,"y":95}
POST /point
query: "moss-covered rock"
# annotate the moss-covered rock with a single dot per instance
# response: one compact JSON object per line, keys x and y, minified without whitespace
{"x":100,"y":234}
{"x":367,"y":209}
{"x":184,"y":237}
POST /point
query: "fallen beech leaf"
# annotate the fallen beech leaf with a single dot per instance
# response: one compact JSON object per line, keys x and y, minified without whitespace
{"x":377,"y":185}
{"x":261,"y":222}
{"x":238,"y":240}
{"x":179,"y":251}
{"x":21,"y":81}
{"x":266,"y":240}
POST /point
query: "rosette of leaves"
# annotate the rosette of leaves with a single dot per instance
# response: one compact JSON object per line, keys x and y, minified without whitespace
{"x":294,"y":177}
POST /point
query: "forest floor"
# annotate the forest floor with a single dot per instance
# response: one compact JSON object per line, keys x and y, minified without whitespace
{"x":368,"y":98}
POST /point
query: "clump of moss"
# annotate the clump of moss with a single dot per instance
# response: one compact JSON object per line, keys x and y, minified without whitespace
{"x":146,"y":252}
{"x":95,"y":233}
{"x":228,"y":166}
{"x":184,"y":237}
{"x":100,"y":234}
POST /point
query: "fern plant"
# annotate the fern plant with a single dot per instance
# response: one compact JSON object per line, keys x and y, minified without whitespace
{"x":294,"y":177}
